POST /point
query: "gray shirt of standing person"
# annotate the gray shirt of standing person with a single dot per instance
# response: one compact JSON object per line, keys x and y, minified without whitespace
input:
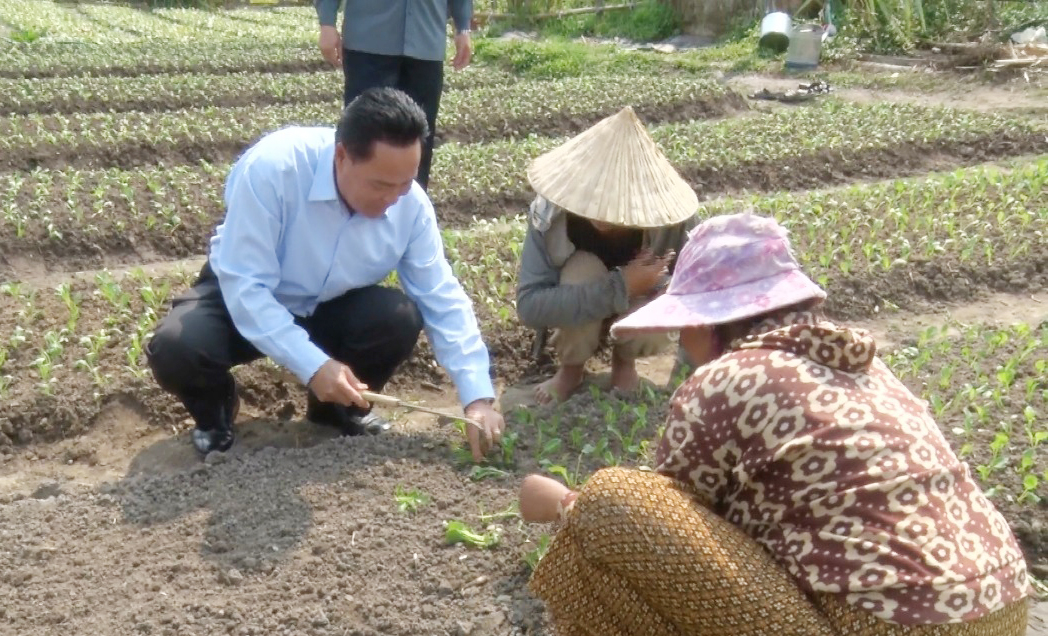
{"x":412,"y":28}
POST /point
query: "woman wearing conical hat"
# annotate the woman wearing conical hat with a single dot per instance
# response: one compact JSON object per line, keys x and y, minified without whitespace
{"x":610,"y":215}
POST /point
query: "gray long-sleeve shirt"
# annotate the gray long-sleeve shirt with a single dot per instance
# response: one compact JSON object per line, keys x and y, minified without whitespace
{"x":412,"y":28}
{"x":542,"y":302}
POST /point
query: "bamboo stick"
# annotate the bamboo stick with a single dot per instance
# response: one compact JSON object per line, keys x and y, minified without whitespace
{"x":389,"y":400}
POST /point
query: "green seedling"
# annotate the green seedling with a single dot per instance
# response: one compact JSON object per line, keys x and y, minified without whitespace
{"x":479,"y":473}
{"x":513,"y":511}
{"x":532,"y":557}
{"x":509,"y":445}
{"x":1030,"y":483}
{"x":571,"y":478}
{"x":459,"y":532}
{"x":410,"y":500}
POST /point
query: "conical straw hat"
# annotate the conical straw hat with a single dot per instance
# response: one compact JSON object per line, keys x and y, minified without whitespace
{"x":614,"y":173}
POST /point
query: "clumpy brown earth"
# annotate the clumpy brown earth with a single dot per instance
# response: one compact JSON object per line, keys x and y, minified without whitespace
{"x":282,"y":541}
{"x":295,"y":531}
{"x":291,"y":532}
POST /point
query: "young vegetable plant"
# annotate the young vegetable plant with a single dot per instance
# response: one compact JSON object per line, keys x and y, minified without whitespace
{"x":72,"y":303}
{"x":532,"y":557}
{"x":512,"y":511}
{"x":459,"y":532}
{"x":410,"y":500}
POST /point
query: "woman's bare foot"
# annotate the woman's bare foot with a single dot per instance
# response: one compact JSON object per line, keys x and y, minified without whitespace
{"x":564,"y":382}
{"x":624,"y":375}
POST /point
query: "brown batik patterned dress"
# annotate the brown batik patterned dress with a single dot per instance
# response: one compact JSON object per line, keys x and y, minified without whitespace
{"x":802,"y":489}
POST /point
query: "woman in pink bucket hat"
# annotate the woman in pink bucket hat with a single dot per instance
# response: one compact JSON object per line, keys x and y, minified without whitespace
{"x":799,"y":487}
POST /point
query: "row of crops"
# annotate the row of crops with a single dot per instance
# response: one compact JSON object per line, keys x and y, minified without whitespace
{"x":104,"y":24}
{"x":173,"y":208}
{"x":479,"y":111}
{"x":832,"y":126}
{"x":988,"y":218}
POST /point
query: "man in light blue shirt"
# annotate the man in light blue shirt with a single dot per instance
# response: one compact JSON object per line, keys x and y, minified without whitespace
{"x":316,"y":218}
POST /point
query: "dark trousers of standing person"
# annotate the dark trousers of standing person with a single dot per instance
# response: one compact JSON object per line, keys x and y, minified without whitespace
{"x":422,"y":80}
{"x":372,"y":330}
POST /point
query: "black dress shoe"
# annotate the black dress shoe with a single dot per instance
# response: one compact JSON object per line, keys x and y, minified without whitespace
{"x":370,"y":423}
{"x":347,"y":421}
{"x":214,"y":423}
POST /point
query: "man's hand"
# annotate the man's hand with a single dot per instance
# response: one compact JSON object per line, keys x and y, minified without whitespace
{"x":492,"y":423}
{"x":645,"y":273}
{"x":334,"y":382}
{"x":331,"y":45}
{"x":463,"y":50}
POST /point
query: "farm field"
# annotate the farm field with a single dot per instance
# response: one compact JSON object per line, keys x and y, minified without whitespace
{"x":923,"y":212}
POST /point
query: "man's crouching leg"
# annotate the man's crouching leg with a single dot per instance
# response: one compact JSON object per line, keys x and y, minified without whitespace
{"x":372,"y":330}
{"x":190,"y":354}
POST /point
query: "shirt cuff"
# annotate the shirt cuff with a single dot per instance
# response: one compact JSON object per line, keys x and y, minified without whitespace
{"x":307,"y":363}
{"x":473,"y":386}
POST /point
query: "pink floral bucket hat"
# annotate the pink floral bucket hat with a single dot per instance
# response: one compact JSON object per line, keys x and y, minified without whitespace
{"x":732,"y":267}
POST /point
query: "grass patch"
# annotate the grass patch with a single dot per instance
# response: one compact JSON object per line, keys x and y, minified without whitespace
{"x":650,"y":21}
{"x":559,"y":56}
{"x":27,"y":36}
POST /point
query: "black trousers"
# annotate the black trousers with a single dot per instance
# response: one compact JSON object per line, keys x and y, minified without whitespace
{"x":372,"y":330}
{"x":422,"y":80}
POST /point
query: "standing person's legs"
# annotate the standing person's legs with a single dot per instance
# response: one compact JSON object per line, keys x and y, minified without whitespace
{"x":191,"y":352}
{"x":367,"y":70}
{"x":423,"y":81}
{"x":371,"y":330}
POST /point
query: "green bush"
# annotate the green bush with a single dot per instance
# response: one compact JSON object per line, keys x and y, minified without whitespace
{"x":650,"y":21}
{"x":555,"y":58}
{"x":900,"y":25}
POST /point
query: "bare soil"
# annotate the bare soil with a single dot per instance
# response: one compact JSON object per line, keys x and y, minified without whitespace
{"x":953,"y":92}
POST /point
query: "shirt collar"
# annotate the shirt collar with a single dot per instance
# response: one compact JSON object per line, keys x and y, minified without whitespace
{"x":323,"y":188}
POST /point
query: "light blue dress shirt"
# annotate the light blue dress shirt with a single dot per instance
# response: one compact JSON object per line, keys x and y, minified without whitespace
{"x":288,"y":243}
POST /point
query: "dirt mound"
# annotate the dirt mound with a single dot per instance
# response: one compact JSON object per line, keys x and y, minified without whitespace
{"x":261,"y":544}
